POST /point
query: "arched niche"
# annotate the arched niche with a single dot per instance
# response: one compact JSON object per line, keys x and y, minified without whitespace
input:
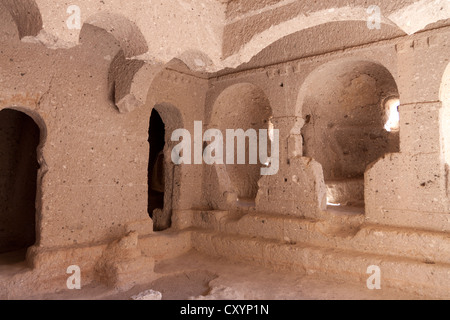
{"x":347,"y":106}
{"x":241,"y":106}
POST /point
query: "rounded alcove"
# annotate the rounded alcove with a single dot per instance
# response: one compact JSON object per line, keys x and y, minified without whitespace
{"x":350,"y":109}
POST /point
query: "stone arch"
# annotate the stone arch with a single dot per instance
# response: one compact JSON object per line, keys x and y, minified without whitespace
{"x":344,"y":106}
{"x":240,"y":106}
{"x":126,"y":71}
{"x":31,"y":133}
{"x":259,"y":30}
{"x":172,"y":119}
{"x":25,"y":14}
{"x":264,"y":38}
{"x":319,"y":39}
{"x":127,"y":33}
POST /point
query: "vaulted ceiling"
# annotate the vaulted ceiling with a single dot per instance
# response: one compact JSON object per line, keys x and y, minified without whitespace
{"x":212,"y":35}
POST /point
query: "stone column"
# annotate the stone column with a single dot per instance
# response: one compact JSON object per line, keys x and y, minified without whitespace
{"x":409,"y":188}
{"x":298,"y":188}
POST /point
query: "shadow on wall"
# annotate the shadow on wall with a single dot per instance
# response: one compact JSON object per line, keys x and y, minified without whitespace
{"x":19,"y":140}
{"x":349,"y":109}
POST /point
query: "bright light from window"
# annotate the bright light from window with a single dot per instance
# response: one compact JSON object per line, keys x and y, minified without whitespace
{"x":271,"y":132}
{"x":271,"y":138}
{"x":393,"y":123}
{"x":332,"y":202}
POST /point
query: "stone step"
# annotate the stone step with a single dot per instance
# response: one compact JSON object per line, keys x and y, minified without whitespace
{"x":341,"y":231}
{"x":165,"y":245}
{"x":431,"y":280}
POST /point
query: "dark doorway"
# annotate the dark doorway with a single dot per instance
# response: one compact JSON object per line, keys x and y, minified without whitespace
{"x":156,"y":177}
{"x":19,"y":140}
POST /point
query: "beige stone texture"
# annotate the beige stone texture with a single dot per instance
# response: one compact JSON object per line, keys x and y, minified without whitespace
{"x":87,"y":88}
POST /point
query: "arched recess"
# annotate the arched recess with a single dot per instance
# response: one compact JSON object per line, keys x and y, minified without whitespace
{"x":23,"y":134}
{"x":347,"y":106}
{"x":241,"y":106}
{"x":163,"y":175}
